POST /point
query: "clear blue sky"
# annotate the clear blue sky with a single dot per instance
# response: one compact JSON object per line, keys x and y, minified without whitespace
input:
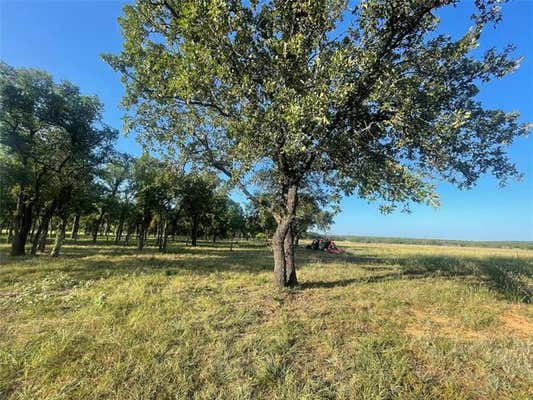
{"x":66,"y":38}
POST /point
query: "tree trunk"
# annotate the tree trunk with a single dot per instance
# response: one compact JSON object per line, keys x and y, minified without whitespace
{"x":97,"y":224}
{"x":283,"y":247}
{"x":120,"y":228}
{"x":290,"y":266}
{"x":278,"y":251}
{"x":60,"y":236}
{"x":143,"y":230}
{"x":42,"y":230}
{"x":164,"y":240}
{"x":140,"y":243}
{"x":194,"y":230}
{"x":161,"y":226}
{"x":129,"y":231}
{"x":75,"y":227}
{"x":44,"y":234}
{"x":33,"y":227}
{"x":107,"y":229}
{"x":22,"y":224}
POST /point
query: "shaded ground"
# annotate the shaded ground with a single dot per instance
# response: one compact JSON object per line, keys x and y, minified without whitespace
{"x":382,"y":321}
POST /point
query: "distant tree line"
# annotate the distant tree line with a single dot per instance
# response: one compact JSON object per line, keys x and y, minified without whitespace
{"x":60,"y":173}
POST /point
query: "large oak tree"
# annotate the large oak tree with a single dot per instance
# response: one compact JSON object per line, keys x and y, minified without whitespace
{"x":366,"y":99}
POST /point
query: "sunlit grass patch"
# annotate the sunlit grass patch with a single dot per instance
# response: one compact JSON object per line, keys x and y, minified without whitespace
{"x":380,"y":322}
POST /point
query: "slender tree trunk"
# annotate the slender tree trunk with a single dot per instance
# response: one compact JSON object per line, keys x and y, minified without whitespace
{"x":33,"y":227}
{"x":194,"y":230}
{"x":140,"y":243}
{"x":143,"y":230}
{"x":44,"y":234}
{"x":120,"y":228}
{"x":161,"y":227}
{"x":128,"y":235}
{"x":75,"y":227}
{"x":60,"y":236}
{"x":97,"y":224}
{"x":164,"y":239}
{"x":22,"y":224}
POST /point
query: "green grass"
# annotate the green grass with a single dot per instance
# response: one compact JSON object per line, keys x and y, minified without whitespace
{"x":384,"y":321}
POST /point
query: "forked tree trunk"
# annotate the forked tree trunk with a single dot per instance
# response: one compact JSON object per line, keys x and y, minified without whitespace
{"x":282,"y":242}
{"x":42,"y":230}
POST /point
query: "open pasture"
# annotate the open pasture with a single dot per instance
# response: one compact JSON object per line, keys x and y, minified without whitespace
{"x":383,"y":321}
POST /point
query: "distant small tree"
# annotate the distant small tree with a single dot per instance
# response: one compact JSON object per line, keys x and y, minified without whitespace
{"x":367,"y":99}
{"x":111,"y":178}
{"x":198,"y":198}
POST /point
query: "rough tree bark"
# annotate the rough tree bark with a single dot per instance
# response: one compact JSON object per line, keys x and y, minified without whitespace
{"x":22,"y":224}
{"x":282,"y":242}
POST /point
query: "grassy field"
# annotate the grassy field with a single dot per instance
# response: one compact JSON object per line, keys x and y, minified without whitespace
{"x":383,"y":321}
{"x":437,"y":242}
